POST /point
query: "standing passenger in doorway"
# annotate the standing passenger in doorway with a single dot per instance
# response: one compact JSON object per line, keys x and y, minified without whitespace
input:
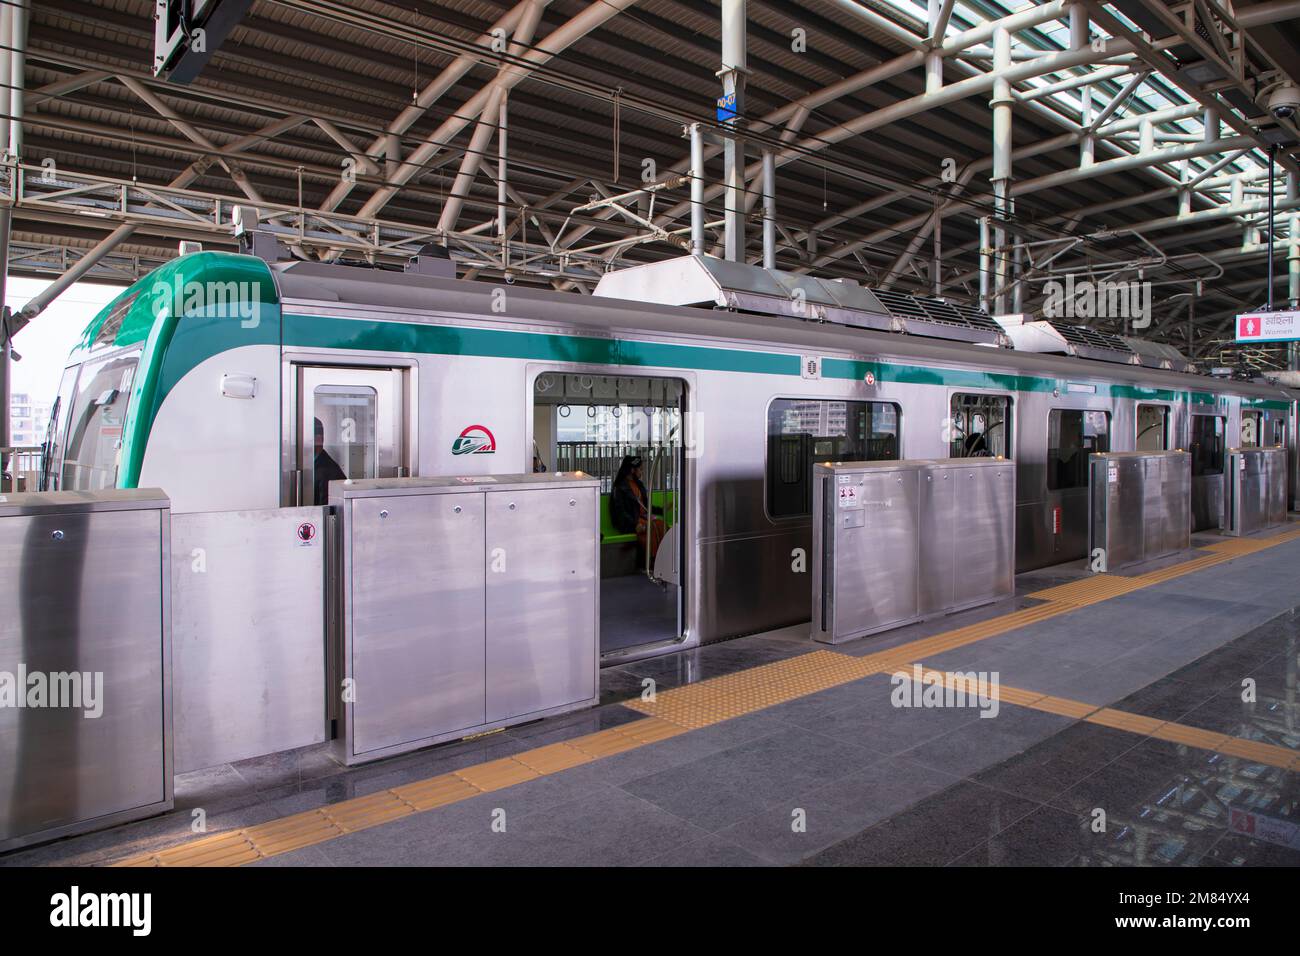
{"x":325,"y":468}
{"x":630,"y":509}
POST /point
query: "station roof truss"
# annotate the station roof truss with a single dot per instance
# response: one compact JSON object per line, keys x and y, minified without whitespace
{"x":365,"y":130}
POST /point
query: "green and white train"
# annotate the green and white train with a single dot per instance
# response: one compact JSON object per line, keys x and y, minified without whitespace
{"x":207,"y":377}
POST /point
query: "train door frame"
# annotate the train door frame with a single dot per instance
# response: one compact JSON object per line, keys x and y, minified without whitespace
{"x":404,"y":391}
{"x":1171,"y":437}
{"x":1068,"y":526}
{"x":688,"y":636}
{"x":1207,"y":490}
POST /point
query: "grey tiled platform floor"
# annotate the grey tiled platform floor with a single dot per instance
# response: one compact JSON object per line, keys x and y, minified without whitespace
{"x":844,"y":777}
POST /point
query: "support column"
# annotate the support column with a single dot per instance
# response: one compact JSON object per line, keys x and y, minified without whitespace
{"x":1088,"y":142}
{"x":1272,"y":181}
{"x":13,"y":35}
{"x":984,"y":263}
{"x":697,"y":189}
{"x":6,"y":56}
{"x":502,"y":167}
{"x":1293,"y":250}
{"x":1080,"y":37}
{"x":936,"y":269}
{"x":732,"y":74}
{"x":1079,"y":29}
{"x":1001,"y":104}
{"x":17,"y":71}
{"x":934,"y":58}
{"x":6,"y":324}
{"x":769,"y":210}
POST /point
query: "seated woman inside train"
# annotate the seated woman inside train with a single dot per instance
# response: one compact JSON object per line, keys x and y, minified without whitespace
{"x":630,"y":509}
{"x":324,"y":467}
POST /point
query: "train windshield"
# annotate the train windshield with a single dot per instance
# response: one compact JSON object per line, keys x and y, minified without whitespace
{"x":95,"y":418}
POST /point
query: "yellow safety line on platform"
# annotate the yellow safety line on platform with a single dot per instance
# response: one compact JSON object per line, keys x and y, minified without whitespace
{"x":711,"y":701}
{"x":1103,"y":587}
{"x":1253,"y":750}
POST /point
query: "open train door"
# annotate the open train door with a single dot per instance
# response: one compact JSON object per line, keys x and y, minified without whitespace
{"x":628,"y":432}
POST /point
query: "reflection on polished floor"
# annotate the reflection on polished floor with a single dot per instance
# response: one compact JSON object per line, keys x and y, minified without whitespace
{"x":841,"y":776}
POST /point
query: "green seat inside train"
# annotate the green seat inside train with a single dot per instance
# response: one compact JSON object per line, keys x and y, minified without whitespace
{"x":665,"y":500}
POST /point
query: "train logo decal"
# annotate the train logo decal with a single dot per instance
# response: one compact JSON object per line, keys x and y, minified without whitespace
{"x":474,"y":440}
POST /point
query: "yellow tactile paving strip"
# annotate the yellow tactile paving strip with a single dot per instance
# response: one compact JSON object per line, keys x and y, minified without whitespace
{"x":360,"y":813}
{"x":708,"y":702}
{"x":733,"y":695}
{"x":1253,"y":750}
{"x":1103,"y":587}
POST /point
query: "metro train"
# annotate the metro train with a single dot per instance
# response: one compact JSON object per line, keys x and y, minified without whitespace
{"x":221,"y":378}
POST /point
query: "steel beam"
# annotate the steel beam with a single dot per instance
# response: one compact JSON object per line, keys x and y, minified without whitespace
{"x":555,"y":42}
{"x":433,"y":91}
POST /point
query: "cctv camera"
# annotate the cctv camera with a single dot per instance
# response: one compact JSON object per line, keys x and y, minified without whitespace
{"x":1284,"y":102}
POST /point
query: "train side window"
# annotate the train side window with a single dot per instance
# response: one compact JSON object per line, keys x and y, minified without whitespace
{"x":1207,"y":445}
{"x":1072,"y":435}
{"x":804,"y":431}
{"x":1250,"y":429}
{"x":980,"y":426}
{"x":94,"y":437}
{"x":1152,"y":428}
{"x":1279,"y":432}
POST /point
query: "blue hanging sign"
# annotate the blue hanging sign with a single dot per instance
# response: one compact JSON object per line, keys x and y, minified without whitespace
{"x":727,"y":108}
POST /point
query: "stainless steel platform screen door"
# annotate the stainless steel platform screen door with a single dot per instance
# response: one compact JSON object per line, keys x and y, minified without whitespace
{"x":349,"y":423}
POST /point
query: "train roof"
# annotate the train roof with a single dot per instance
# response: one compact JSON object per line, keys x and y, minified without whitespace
{"x":297,"y":284}
{"x":366,"y":288}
